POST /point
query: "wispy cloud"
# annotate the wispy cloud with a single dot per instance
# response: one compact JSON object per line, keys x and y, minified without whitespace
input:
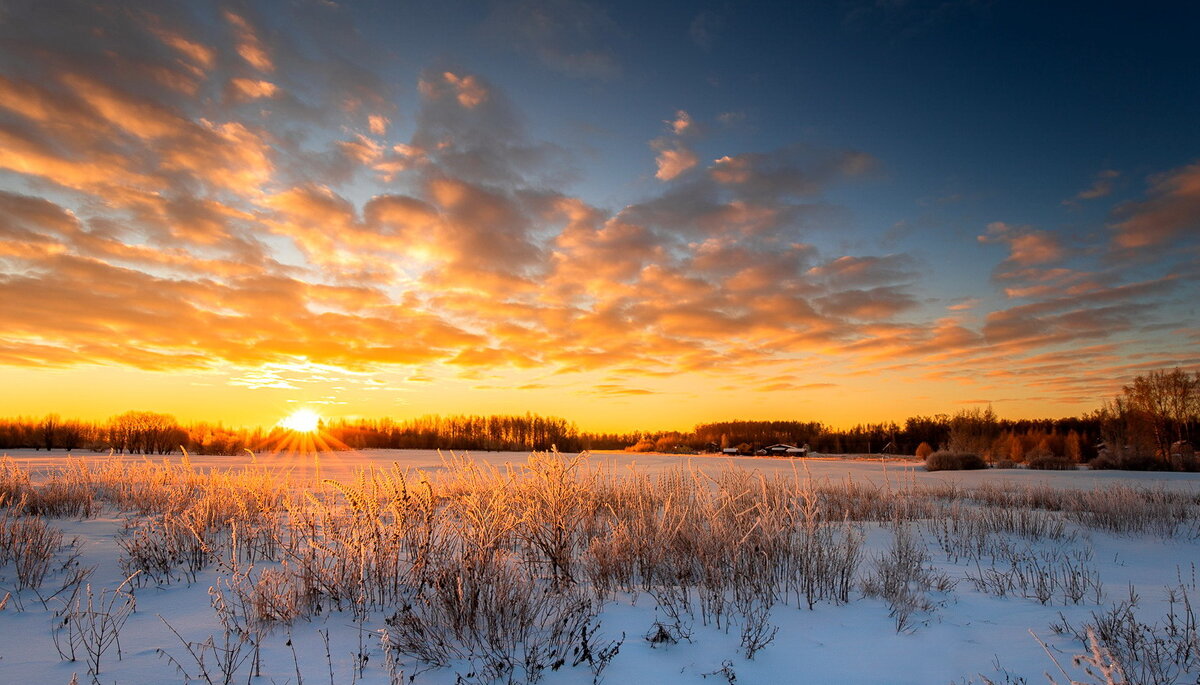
{"x":567,"y":36}
{"x":1170,"y":210}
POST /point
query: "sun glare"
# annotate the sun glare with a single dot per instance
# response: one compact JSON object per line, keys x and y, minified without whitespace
{"x":302,"y":421}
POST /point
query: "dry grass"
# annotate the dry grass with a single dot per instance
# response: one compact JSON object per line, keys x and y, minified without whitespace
{"x":499,"y":573}
{"x":1162,"y":652}
{"x":904,"y":578}
{"x":90,"y":624}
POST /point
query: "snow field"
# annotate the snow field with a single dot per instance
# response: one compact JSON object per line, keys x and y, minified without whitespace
{"x":570,"y":569}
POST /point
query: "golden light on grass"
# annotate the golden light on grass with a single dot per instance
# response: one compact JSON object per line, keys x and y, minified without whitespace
{"x":302,"y":421}
{"x":299,"y":436}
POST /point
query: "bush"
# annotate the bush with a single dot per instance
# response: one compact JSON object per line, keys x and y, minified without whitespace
{"x":944,"y":460}
{"x":924,"y":450}
{"x":1004,"y":464}
{"x":1127,"y":462}
{"x":1051,"y":463}
{"x":971,"y":462}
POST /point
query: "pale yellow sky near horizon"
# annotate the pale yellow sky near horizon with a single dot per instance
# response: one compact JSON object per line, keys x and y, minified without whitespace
{"x":96,"y":393}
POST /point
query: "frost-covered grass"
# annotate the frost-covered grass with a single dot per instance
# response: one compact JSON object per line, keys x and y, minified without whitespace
{"x":570,"y":569}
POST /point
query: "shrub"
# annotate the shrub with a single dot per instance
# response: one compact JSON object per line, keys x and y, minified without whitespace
{"x":1051,"y":463}
{"x":941,"y":461}
{"x":971,"y":462}
{"x":924,"y":450}
{"x":1004,"y":464}
{"x":944,"y":460}
{"x":1127,"y":462}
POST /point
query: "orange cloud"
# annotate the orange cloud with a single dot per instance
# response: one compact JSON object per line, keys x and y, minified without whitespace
{"x":1172,"y":209}
{"x":252,"y":89}
{"x":681,"y":124}
{"x":249,"y":45}
{"x":1102,"y":187}
{"x":470,"y":93}
{"x":378,"y":124}
{"x":1027,"y":246}
{"x":159,"y":225}
{"x":673,"y":160}
{"x":142,"y":118}
{"x":200,"y":57}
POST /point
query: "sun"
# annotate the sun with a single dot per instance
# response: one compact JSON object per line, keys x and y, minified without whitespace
{"x":302,"y":421}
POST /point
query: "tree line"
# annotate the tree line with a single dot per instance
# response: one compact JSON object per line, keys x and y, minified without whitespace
{"x":144,"y":432}
{"x":979,"y":431}
{"x":529,"y":432}
{"x":1151,"y":425}
{"x":134,"y":432}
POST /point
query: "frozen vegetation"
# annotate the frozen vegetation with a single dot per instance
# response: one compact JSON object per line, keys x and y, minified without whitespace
{"x":404,"y":566}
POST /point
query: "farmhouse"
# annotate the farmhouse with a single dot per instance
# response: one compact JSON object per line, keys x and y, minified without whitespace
{"x":782,"y":450}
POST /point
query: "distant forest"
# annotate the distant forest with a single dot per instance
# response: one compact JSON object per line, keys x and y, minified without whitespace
{"x":142,"y":432}
{"x":1155,"y":417}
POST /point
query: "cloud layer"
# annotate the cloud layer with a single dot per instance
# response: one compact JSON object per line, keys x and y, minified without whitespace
{"x":205,"y":192}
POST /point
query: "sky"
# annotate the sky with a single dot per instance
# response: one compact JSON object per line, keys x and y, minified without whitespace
{"x":631,"y":215}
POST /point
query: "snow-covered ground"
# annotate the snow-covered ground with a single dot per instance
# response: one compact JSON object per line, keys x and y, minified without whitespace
{"x":968,"y":633}
{"x":875,"y":469}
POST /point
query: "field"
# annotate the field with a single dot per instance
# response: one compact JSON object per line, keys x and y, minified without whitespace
{"x":406,"y":566}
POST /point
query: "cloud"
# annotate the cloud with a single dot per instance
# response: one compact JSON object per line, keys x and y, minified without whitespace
{"x":567,"y":36}
{"x":704,"y":29}
{"x":248,"y":44}
{"x":252,"y":89}
{"x":468,"y":130}
{"x":731,"y":119}
{"x":1101,"y":187}
{"x":793,"y":171}
{"x":229,"y":191}
{"x":1027,"y":246}
{"x":866,"y":270}
{"x":378,"y":124}
{"x":616,"y":390}
{"x":673,"y":160}
{"x":1093,"y":316}
{"x":492,"y":357}
{"x":682,"y":124}
{"x":1171,"y":210}
{"x":1031,"y":267}
{"x":194,"y":56}
{"x":867,"y":305}
{"x":70,"y":309}
{"x":469,"y":92}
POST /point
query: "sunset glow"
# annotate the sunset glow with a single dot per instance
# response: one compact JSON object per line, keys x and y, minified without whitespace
{"x":844,"y":212}
{"x":301,"y":421}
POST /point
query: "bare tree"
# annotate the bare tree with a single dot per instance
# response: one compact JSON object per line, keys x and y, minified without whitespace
{"x":70,"y":434}
{"x":1165,"y":402}
{"x":145,"y":432}
{"x":47,"y":428}
{"x":974,"y":431}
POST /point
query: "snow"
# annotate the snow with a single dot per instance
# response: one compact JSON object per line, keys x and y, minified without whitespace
{"x":967,"y":634}
{"x":875,"y":469}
